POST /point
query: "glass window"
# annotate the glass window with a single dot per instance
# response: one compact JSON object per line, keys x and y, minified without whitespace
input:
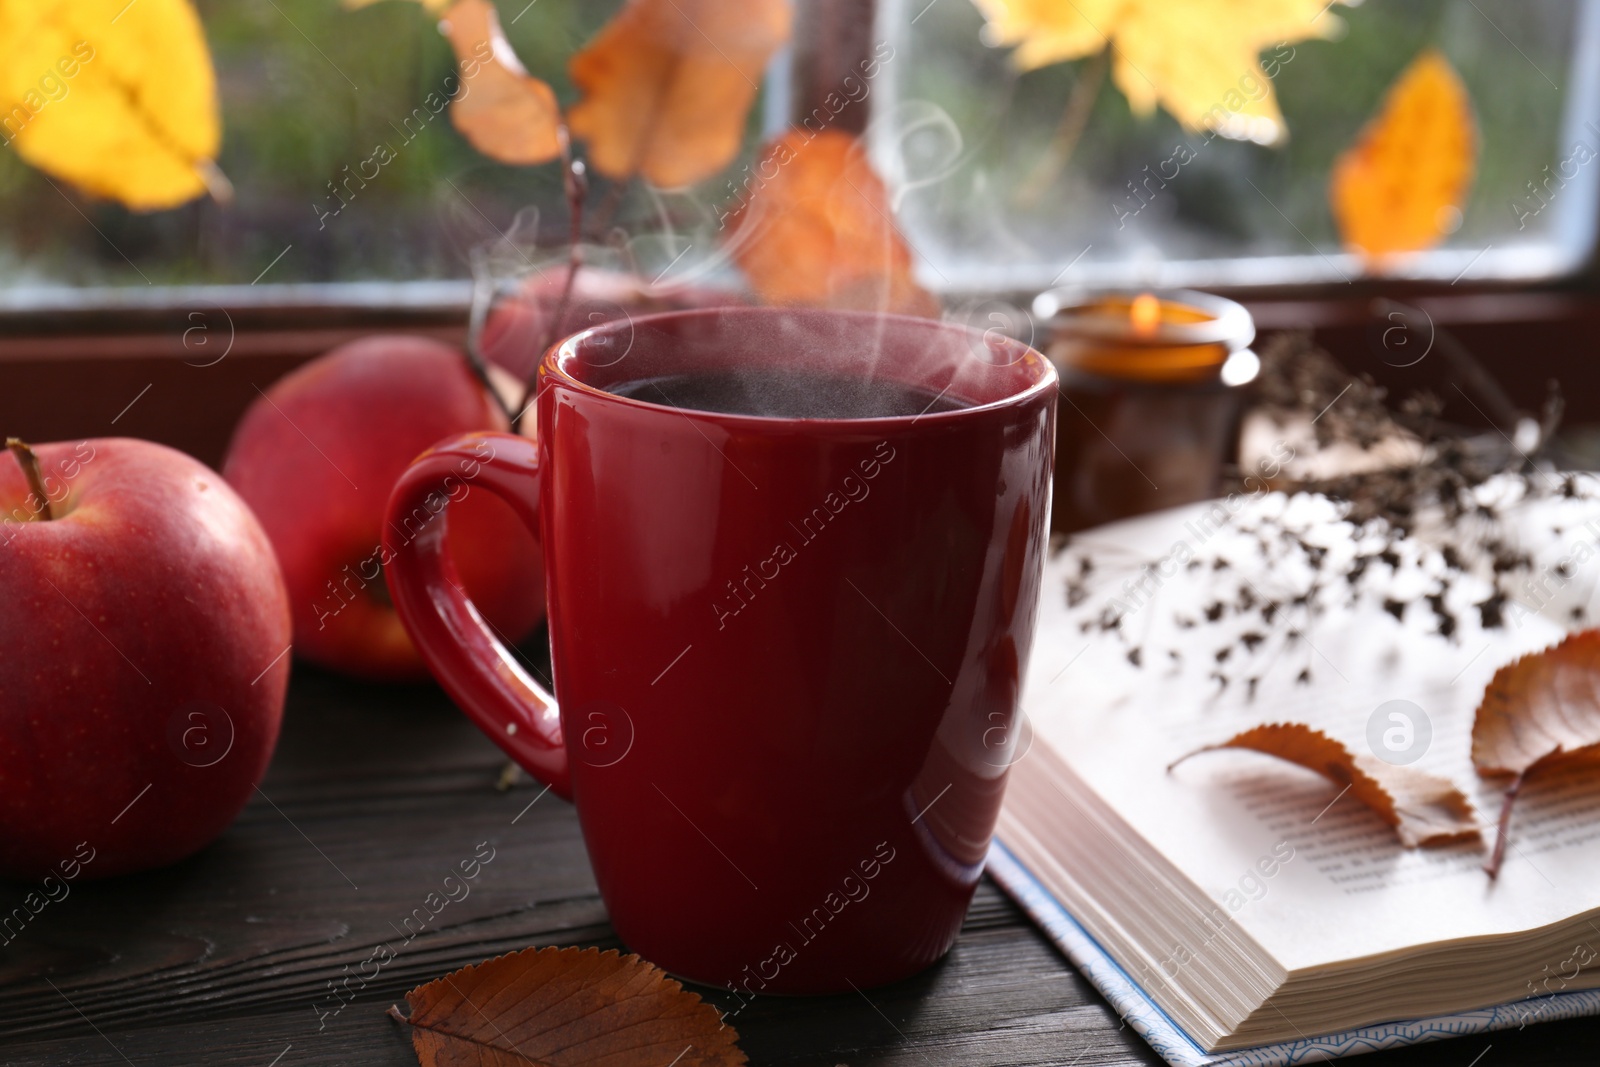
{"x":970,"y":141}
{"x":309,"y":91}
{"x":974,"y":149}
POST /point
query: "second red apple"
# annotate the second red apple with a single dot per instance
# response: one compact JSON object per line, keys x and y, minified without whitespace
{"x":316,"y":456}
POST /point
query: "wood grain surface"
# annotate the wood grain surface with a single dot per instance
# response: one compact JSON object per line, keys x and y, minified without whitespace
{"x":254,"y":953}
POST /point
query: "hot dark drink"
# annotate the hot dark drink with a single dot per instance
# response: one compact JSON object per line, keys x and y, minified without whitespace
{"x":787,"y":394}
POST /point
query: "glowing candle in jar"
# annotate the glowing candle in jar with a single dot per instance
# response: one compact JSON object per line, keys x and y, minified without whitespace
{"x":1149,"y":383}
{"x":1145,"y":314}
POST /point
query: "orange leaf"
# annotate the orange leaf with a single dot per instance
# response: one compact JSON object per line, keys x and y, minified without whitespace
{"x":565,"y":1007}
{"x":667,"y":85}
{"x":435,"y":6}
{"x":1422,"y":808}
{"x":1541,"y":711}
{"x":506,"y":113}
{"x":1401,"y":186}
{"x":817,"y":229}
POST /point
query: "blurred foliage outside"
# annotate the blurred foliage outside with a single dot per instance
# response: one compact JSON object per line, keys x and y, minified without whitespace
{"x":1234,"y":198}
{"x":310,"y":89}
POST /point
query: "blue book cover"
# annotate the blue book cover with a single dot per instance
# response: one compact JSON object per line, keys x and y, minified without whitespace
{"x":1179,"y":1049}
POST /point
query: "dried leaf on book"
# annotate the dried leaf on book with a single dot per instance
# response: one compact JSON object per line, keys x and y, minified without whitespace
{"x":667,"y":85}
{"x":815,"y":226}
{"x":1401,"y":186}
{"x":502,"y":110}
{"x":139,"y":121}
{"x":1540,"y":712}
{"x":1423,"y":809}
{"x":565,"y":1007}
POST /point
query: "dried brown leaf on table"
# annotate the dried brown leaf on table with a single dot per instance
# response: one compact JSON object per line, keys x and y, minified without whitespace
{"x":667,"y":85}
{"x":1423,"y":809}
{"x":502,"y":110}
{"x":565,"y":1007}
{"x":1539,"y":712}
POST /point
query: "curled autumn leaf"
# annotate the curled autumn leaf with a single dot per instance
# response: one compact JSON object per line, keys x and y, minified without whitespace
{"x":1540,"y":712}
{"x":815,"y":227}
{"x":667,"y":85}
{"x":1198,"y":60}
{"x":1423,"y":808}
{"x":118,"y":99}
{"x":1401,"y":186}
{"x":502,"y":110}
{"x":565,"y":1007}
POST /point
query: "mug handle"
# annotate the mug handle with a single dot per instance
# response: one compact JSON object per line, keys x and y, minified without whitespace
{"x":458,"y":645}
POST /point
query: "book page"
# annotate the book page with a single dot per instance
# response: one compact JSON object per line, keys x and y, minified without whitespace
{"x":1146,"y":667}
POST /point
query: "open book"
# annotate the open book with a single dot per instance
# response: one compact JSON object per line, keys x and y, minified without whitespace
{"x":1247,"y":902}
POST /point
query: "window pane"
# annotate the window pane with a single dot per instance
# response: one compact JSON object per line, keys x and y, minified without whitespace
{"x":965,"y":133}
{"x":309,"y":92}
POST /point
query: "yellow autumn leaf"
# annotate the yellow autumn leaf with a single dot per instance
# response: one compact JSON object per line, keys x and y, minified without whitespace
{"x":1200,"y":59}
{"x":1401,"y":186}
{"x":117,"y":98}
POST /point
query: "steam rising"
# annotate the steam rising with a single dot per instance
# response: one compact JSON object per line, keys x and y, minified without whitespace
{"x":811,"y":364}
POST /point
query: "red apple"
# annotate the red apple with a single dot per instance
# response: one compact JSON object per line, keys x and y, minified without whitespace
{"x":519,"y":325}
{"x":143,"y":629}
{"x":316,"y":456}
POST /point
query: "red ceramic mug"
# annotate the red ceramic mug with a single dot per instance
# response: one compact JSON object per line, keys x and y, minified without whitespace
{"x":786,"y":650}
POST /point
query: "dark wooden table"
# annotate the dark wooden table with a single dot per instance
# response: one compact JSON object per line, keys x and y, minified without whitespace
{"x":375,"y":795}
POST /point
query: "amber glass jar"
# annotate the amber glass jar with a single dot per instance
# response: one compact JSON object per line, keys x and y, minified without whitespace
{"x":1150,"y":398}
